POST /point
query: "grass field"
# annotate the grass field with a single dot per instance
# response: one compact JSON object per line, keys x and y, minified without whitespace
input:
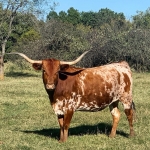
{"x":27,"y":121}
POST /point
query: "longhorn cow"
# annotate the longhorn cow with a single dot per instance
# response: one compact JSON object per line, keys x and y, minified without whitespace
{"x":86,"y":89}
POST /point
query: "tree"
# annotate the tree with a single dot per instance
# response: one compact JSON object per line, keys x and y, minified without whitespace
{"x":73,"y":16}
{"x":9,"y":10}
{"x":52,"y":15}
{"x":142,"y":19}
{"x":62,"y":16}
{"x":89,"y":18}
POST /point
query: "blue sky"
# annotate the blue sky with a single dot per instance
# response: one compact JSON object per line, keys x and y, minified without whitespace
{"x":128,"y":7}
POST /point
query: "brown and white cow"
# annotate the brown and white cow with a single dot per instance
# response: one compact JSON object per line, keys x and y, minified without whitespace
{"x":86,"y":89}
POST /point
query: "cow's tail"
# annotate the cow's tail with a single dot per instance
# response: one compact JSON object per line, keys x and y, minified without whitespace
{"x":134,"y":111}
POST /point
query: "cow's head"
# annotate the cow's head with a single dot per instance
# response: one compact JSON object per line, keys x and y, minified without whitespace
{"x":50,"y":68}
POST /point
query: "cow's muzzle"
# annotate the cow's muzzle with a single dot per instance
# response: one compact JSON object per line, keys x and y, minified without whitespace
{"x":50,"y":86}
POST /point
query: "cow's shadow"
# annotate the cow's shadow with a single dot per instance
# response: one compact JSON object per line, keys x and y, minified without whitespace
{"x":101,"y":128}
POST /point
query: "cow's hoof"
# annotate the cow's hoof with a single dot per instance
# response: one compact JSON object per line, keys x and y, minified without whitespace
{"x":111,"y":135}
{"x":60,"y":141}
{"x":132,"y":135}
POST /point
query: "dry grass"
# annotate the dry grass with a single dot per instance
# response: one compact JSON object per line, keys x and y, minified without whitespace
{"x":27,"y":121}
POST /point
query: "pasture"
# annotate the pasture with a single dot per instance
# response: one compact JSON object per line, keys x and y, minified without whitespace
{"x":27,"y":121}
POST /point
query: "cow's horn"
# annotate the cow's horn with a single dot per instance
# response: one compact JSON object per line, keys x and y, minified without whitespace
{"x":27,"y":58}
{"x":75,"y":61}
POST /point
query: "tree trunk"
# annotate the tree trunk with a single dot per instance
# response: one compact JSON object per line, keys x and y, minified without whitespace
{"x":1,"y":67}
{"x":2,"y":60}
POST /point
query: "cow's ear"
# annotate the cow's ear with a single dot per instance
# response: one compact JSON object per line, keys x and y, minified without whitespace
{"x":64,"y":67}
{"x":37,"y":66}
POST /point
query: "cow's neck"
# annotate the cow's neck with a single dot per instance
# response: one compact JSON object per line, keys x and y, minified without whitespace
{"x":50,"y":94}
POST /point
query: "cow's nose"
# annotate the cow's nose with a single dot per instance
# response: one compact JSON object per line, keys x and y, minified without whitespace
{"x":50,"y":86}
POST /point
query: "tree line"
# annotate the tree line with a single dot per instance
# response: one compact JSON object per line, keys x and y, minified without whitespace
{"x":92,"y":19}
{"x":108,"y":35}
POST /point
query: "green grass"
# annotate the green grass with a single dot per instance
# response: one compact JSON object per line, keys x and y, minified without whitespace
{"x":27,"y":121}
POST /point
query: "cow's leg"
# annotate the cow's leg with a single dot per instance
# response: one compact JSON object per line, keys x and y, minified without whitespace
{"x":61,"y":122}
{"x":67,"y":119}
{"x":116,"y":116}
{"x":130,"y":115}
{"x":64,"y":122}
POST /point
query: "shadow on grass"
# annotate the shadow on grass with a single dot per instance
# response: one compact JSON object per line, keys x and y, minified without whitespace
{"x":21,"y":74}
{"x":101,"y":128}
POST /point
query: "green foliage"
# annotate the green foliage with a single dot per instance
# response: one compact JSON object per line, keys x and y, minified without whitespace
{"x":93,"y":19}
{"x":15,"y":24}
{"x":30,"y":35}
{"x":18,"y":66}
{"x":89,"y":18}
{"x":52,"y":15}
{"x":73,"y":16}
{"x":142,"y":19}
{"x":25,"y":31}
{"x":63,"y":16}
{"x":66,"y":35}
{"x":107,"y":16}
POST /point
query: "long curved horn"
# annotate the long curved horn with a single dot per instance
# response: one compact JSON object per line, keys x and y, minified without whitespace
{"x":26,"y":58}
{"x":75,"y":61}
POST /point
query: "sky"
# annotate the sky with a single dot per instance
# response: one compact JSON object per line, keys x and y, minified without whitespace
{"x":128,"y":7}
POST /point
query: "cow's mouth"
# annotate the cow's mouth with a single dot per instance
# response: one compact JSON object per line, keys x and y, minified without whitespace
{"x":50,"y":86}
